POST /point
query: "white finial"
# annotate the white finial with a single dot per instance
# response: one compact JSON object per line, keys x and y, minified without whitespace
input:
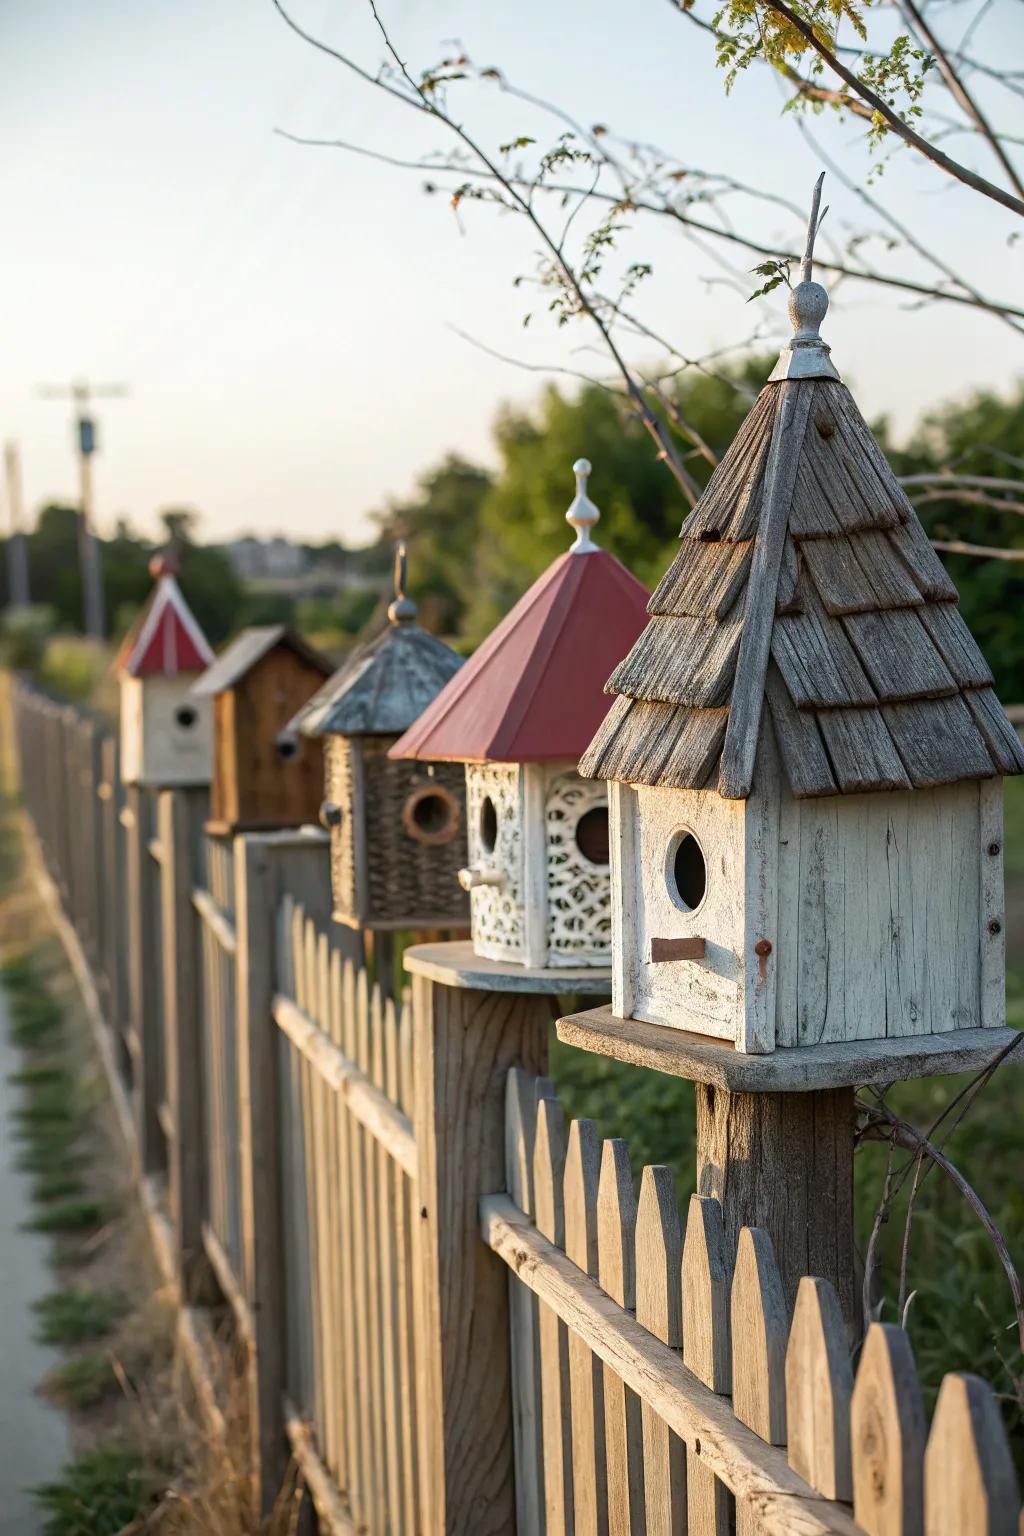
{"x":807,"y":356}
{"x":403,"y":610}
{"x":582,"y":514}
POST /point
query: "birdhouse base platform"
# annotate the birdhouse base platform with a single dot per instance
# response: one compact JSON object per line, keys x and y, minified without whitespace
{"x":458,"y":965}
{"x":790,"y":1069}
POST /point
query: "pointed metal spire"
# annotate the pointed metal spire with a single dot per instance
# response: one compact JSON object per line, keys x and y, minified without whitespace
{"x":582,"y":514}
{"x":807,"y":356}
{"x":403,"y":610}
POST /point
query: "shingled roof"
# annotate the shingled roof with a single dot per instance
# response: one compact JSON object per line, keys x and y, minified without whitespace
{"x":805,"y":578}
{"x":387,"y":683}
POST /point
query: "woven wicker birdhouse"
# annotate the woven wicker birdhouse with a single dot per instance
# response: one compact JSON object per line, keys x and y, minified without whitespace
{"x":398,"y":829}
{"x":518,"y":716}
{"x":263,"y":777}
{"x":806,"y":751}
{"x":165,"y":733}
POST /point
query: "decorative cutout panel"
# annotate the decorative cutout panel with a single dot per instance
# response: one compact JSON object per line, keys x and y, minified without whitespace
{"x":499,"y":926}
{"x":579,"y":891}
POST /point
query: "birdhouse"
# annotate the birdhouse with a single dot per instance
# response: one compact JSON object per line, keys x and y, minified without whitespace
{"x":165,"y":733}
{"x":518,"y":715}
{"x":398,"y":830}
{"x":806,"y":750}
{"x":263,"y":776}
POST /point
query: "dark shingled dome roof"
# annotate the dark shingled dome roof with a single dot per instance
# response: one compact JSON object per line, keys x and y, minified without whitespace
{"x":873,"y":680}
{"x":383,"y":687}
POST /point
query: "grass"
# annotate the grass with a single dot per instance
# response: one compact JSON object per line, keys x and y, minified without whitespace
{"x":82,"y":1215}
{"x":97,"y":1494}
{"x":76,"y":1316}
{"x":82,"y":1382}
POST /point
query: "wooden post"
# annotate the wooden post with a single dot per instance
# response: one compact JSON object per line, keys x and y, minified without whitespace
{"x":143,"y":980}
{"x":265,"y":867}
{"x":465,"y":1041}
{"x":784,"y":1161}
{"x":180,"y":813}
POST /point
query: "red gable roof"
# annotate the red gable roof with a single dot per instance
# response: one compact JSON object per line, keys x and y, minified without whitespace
{"x":534,"y":690}
{"x":165,"y":638}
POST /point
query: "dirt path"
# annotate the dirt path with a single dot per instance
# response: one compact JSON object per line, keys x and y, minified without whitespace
{"x":34,"y":1435}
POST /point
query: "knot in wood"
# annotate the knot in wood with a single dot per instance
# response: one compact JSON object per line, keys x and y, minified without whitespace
{"x":995,"y":926}
{"x":995,"y":848}
{"x":824,"y":426}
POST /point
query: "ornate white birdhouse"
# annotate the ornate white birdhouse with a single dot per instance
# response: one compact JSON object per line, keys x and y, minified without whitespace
{"x":806,"y":750}
{"x":518,"y":715}
{"x":398,"y":830}
{"x":166,"y":734}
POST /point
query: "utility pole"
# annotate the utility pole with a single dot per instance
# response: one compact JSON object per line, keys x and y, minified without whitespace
{"x":82,"y":394}
{"x":17,"y":554}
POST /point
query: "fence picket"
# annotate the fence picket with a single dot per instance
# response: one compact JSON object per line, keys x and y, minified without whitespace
{"x":329,"y":1216}
{"x":384,"y":1045}
{"x":403,"y":1096}
{"x":623,"y":1424}
{"x":760,"y":1328}
{"x":556,"y":1408}
{"x":970,"y":1483}
{"x":349,"y":1386}
{"x":706,"y":1349}
{"x":819,"y":1384}
{"x":586,"y":1381}
{"x":659,"y":1307}
{"x":887,"y":1435}
{"x":524,"y":1324}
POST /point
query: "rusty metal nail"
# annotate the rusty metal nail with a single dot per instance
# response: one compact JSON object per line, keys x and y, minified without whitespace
{"x":995,"y":848}
{"x":763,"y":947}
{"x":995,"y":926}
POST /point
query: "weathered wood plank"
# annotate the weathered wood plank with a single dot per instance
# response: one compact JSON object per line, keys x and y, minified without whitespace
{"x":759,"y":1325}
{"x":623,"y":1425}
{"x":898,"y":655}
{"x":1004,"y":745}
{"x":970,"y":1484}
{"x":659,"y":1308}
{"x":818,"y":663}
{"x":586,"y":1375}
{"x":706,"y":1278}
{"x":556,"y":1406}
{"x":521,"y":1094}
{"x":887,"y":1436}
{"x":799,"y":741}
{"x":819,"y":1384}
{"x":703,"y":581}
{"x":859,"y":573}
{"x":681,"y":661}
{"x":861,"y":749}
{"x":937,"y":741}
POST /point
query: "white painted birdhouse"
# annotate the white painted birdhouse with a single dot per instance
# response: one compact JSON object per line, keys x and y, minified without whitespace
{"x":806,"y":751}
{"x":518,"y":714}
{"x":166,"y":735}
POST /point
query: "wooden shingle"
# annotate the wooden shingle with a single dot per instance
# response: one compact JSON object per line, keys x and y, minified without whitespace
{"x":956,"y":645}
{"x":861,"y":750}
{"x":818,"y":664}
{"x":859,"y":572}
{"x":681,"y":661}
{"x":898,"y":655}
{"x":1004,"y":745}
{"x":703,"y":580}
{"x":938,"y":741}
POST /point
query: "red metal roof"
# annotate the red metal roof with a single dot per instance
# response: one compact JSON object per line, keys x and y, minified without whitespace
{"x":534,"y":690}
{"x":165,"y":638}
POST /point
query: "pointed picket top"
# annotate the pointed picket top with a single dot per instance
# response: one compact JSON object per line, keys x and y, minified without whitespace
{"x":580,"y":1182}
{"x":760,"y":1330}
{"x":659,"y":1255}
{"x":548,"y":1163}
{"x":706,"y":1285}
{"x":819,"y":1385}
{"x":582,"y":514}
{"x":887,"y":1436}
{"x":807,"y":356}
{"x":970,"y":1483}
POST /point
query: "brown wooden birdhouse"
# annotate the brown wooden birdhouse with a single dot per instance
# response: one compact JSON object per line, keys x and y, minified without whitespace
{"x":398,"y":829}
{"x":263,"y":775}
{"x":806,"y":751}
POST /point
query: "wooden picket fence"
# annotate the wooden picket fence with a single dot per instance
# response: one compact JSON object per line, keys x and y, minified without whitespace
{"x":456,"y":1313}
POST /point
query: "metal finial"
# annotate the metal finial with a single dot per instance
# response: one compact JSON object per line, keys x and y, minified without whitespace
{"x":582,"y":514}
{"x":403,"y":610}
{"x":807,"y":356}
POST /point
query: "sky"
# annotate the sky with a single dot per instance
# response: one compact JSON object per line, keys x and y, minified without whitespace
{"x":286,"y":317}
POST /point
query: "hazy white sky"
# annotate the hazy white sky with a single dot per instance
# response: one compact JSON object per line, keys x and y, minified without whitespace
{"x":284,"y":315}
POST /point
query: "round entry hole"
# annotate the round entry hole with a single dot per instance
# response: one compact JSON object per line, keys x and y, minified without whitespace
{"x":688,"y":873}
{"x":186,"y":717}
{"x":592,"y":834}
{"x":431,"y":815}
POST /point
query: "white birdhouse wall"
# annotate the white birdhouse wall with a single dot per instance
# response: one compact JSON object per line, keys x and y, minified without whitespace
{"x":166,"y":732}
{"x":777,"y":922}
{"x":538,"y":864}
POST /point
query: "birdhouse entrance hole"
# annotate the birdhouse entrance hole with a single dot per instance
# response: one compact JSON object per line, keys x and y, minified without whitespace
{"x":687,"y":871}
{"x":488,"y":824}
{"x":431,"y":815}
{"x":287,"y":748}
{"x":186,"y":717}
{"x":592,"y":835}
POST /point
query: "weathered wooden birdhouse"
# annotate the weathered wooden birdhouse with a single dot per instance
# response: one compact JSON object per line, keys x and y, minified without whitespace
{"x":165,"y":733}
{"x":263,"y":775}
{"x":398,"y":830}
{"x":806,"y":750}
{"x":518,"y":715}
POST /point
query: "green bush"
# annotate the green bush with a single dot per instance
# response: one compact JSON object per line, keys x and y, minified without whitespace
{"x":98,"y":1494}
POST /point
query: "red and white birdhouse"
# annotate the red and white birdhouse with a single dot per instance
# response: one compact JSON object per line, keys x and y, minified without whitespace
{"x":165,"y":733}
{"x":519,"y":714}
